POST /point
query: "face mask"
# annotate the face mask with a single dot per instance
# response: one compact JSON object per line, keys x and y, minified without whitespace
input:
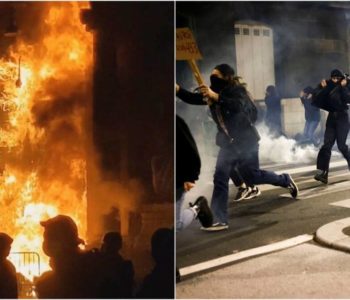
{"x":217,"y":84}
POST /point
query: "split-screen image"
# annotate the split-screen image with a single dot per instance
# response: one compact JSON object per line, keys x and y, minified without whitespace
{"x":174,"y":149}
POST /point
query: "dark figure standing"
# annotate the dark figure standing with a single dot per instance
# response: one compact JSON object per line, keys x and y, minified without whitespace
{"x":74,"y":272}
{"x":8,"y":279}
{"x":118,"y":273}
{"x":333,"y":95}
{"x":231,"y":108}
{"x":312,"y":116}
{"x":159,"y":284}
{"x":273,"y":110}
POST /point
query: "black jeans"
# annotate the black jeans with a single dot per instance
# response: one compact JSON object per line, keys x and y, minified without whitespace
{"x":337,"y":129}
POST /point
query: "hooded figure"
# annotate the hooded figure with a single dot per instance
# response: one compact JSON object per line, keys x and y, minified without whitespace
{"x":333,"y":95}
{"x":312,"y":116}
{"x":273,"y":110}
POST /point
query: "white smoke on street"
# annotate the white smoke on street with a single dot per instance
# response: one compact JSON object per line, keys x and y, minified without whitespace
{"x":284,"y":150}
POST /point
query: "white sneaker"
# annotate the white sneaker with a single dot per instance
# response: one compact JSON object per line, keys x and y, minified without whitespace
{"x":216,"y":227}
{"x":242,"y":194}
{"x":254,"y":192}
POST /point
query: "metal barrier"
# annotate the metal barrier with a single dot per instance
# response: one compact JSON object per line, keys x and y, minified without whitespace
{"x":27,"y":265}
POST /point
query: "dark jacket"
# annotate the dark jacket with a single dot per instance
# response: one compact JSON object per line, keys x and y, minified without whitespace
{"x":118,"y":277}
{"x":273,"y":111}
{"x":233,"y":104}
{"x":8,"y":280}
{"x":312,"y":113}
{"x":332,"y":98}
{"x":188,"y":163}
{"x":273,"y":104}
{"x":75,"y":276}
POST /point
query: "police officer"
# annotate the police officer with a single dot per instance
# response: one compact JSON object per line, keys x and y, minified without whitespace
{"x":237,"y":138}
{"x":333,"y":95}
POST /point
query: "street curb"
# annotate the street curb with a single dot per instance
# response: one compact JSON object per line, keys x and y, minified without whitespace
{"x":332,"y":235}
{"x":213,"y":264}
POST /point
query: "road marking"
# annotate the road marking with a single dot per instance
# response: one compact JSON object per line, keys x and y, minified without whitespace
{"x":245,"y":254}
{"x":321,"y":191}
{"x":313,"y":167}
{"x":272,"y":165}
{"x":267,"y":187}
{"x":342,"y":203}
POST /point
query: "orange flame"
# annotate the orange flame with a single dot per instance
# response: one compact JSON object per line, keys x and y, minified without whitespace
{"x":43,"y":175}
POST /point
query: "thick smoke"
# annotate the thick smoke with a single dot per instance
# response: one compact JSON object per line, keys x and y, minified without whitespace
{"x":300,"y":29}
{"x":307,"y":43}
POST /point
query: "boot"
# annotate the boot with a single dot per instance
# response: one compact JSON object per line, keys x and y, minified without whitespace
{"x":322,"y":176}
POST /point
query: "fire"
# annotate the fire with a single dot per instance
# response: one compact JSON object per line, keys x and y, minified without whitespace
{"x":10,"y":180}
{"x":43,"y":104}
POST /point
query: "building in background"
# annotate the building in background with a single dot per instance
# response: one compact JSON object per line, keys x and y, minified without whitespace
{"x":306,"y":41}
{"x":254,"y":56}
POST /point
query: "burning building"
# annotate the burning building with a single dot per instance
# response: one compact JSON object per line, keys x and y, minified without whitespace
{"x":86,"y":121}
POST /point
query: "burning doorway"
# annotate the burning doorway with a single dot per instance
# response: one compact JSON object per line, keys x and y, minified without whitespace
{"x":44,"y":68}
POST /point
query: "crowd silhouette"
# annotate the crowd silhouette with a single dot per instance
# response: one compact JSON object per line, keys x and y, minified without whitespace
{"x":95,"y":273}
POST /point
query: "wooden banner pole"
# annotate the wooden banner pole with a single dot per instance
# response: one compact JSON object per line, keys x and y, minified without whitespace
{"x":197,"y":74}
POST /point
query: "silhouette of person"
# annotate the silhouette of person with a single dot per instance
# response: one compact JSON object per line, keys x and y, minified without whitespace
{"x":75,"y":273}
{"x":8,"y":279}
{"x":159,"y":284}
{"x":273,"y":110}
{"x":118,"y":273}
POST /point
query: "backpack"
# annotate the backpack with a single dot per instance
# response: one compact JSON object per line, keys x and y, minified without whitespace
{"x":249,"y":109}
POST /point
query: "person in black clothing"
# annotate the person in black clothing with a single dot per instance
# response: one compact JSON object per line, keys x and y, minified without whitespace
{"x":237,"y":137}
{"x":188,"y":166}
{"x":333,"y":95}
{"x":273,"y":110}
{"x":312,"y":116}
{"x":75,"y":273}
{"x":8,"y":279}
{"x":159,"y":284}
{"x":117,"y":273}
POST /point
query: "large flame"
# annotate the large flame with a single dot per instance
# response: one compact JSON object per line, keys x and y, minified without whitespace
{"x":43,"y":108}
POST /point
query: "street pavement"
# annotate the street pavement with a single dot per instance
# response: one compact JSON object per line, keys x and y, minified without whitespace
{"x":276,"y":247}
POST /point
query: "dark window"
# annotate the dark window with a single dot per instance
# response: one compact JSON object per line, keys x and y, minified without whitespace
{"x":246,"y":31}
{"x":266,"y":32}
{"x":236,"y":30}
{"x":256,"y":32}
